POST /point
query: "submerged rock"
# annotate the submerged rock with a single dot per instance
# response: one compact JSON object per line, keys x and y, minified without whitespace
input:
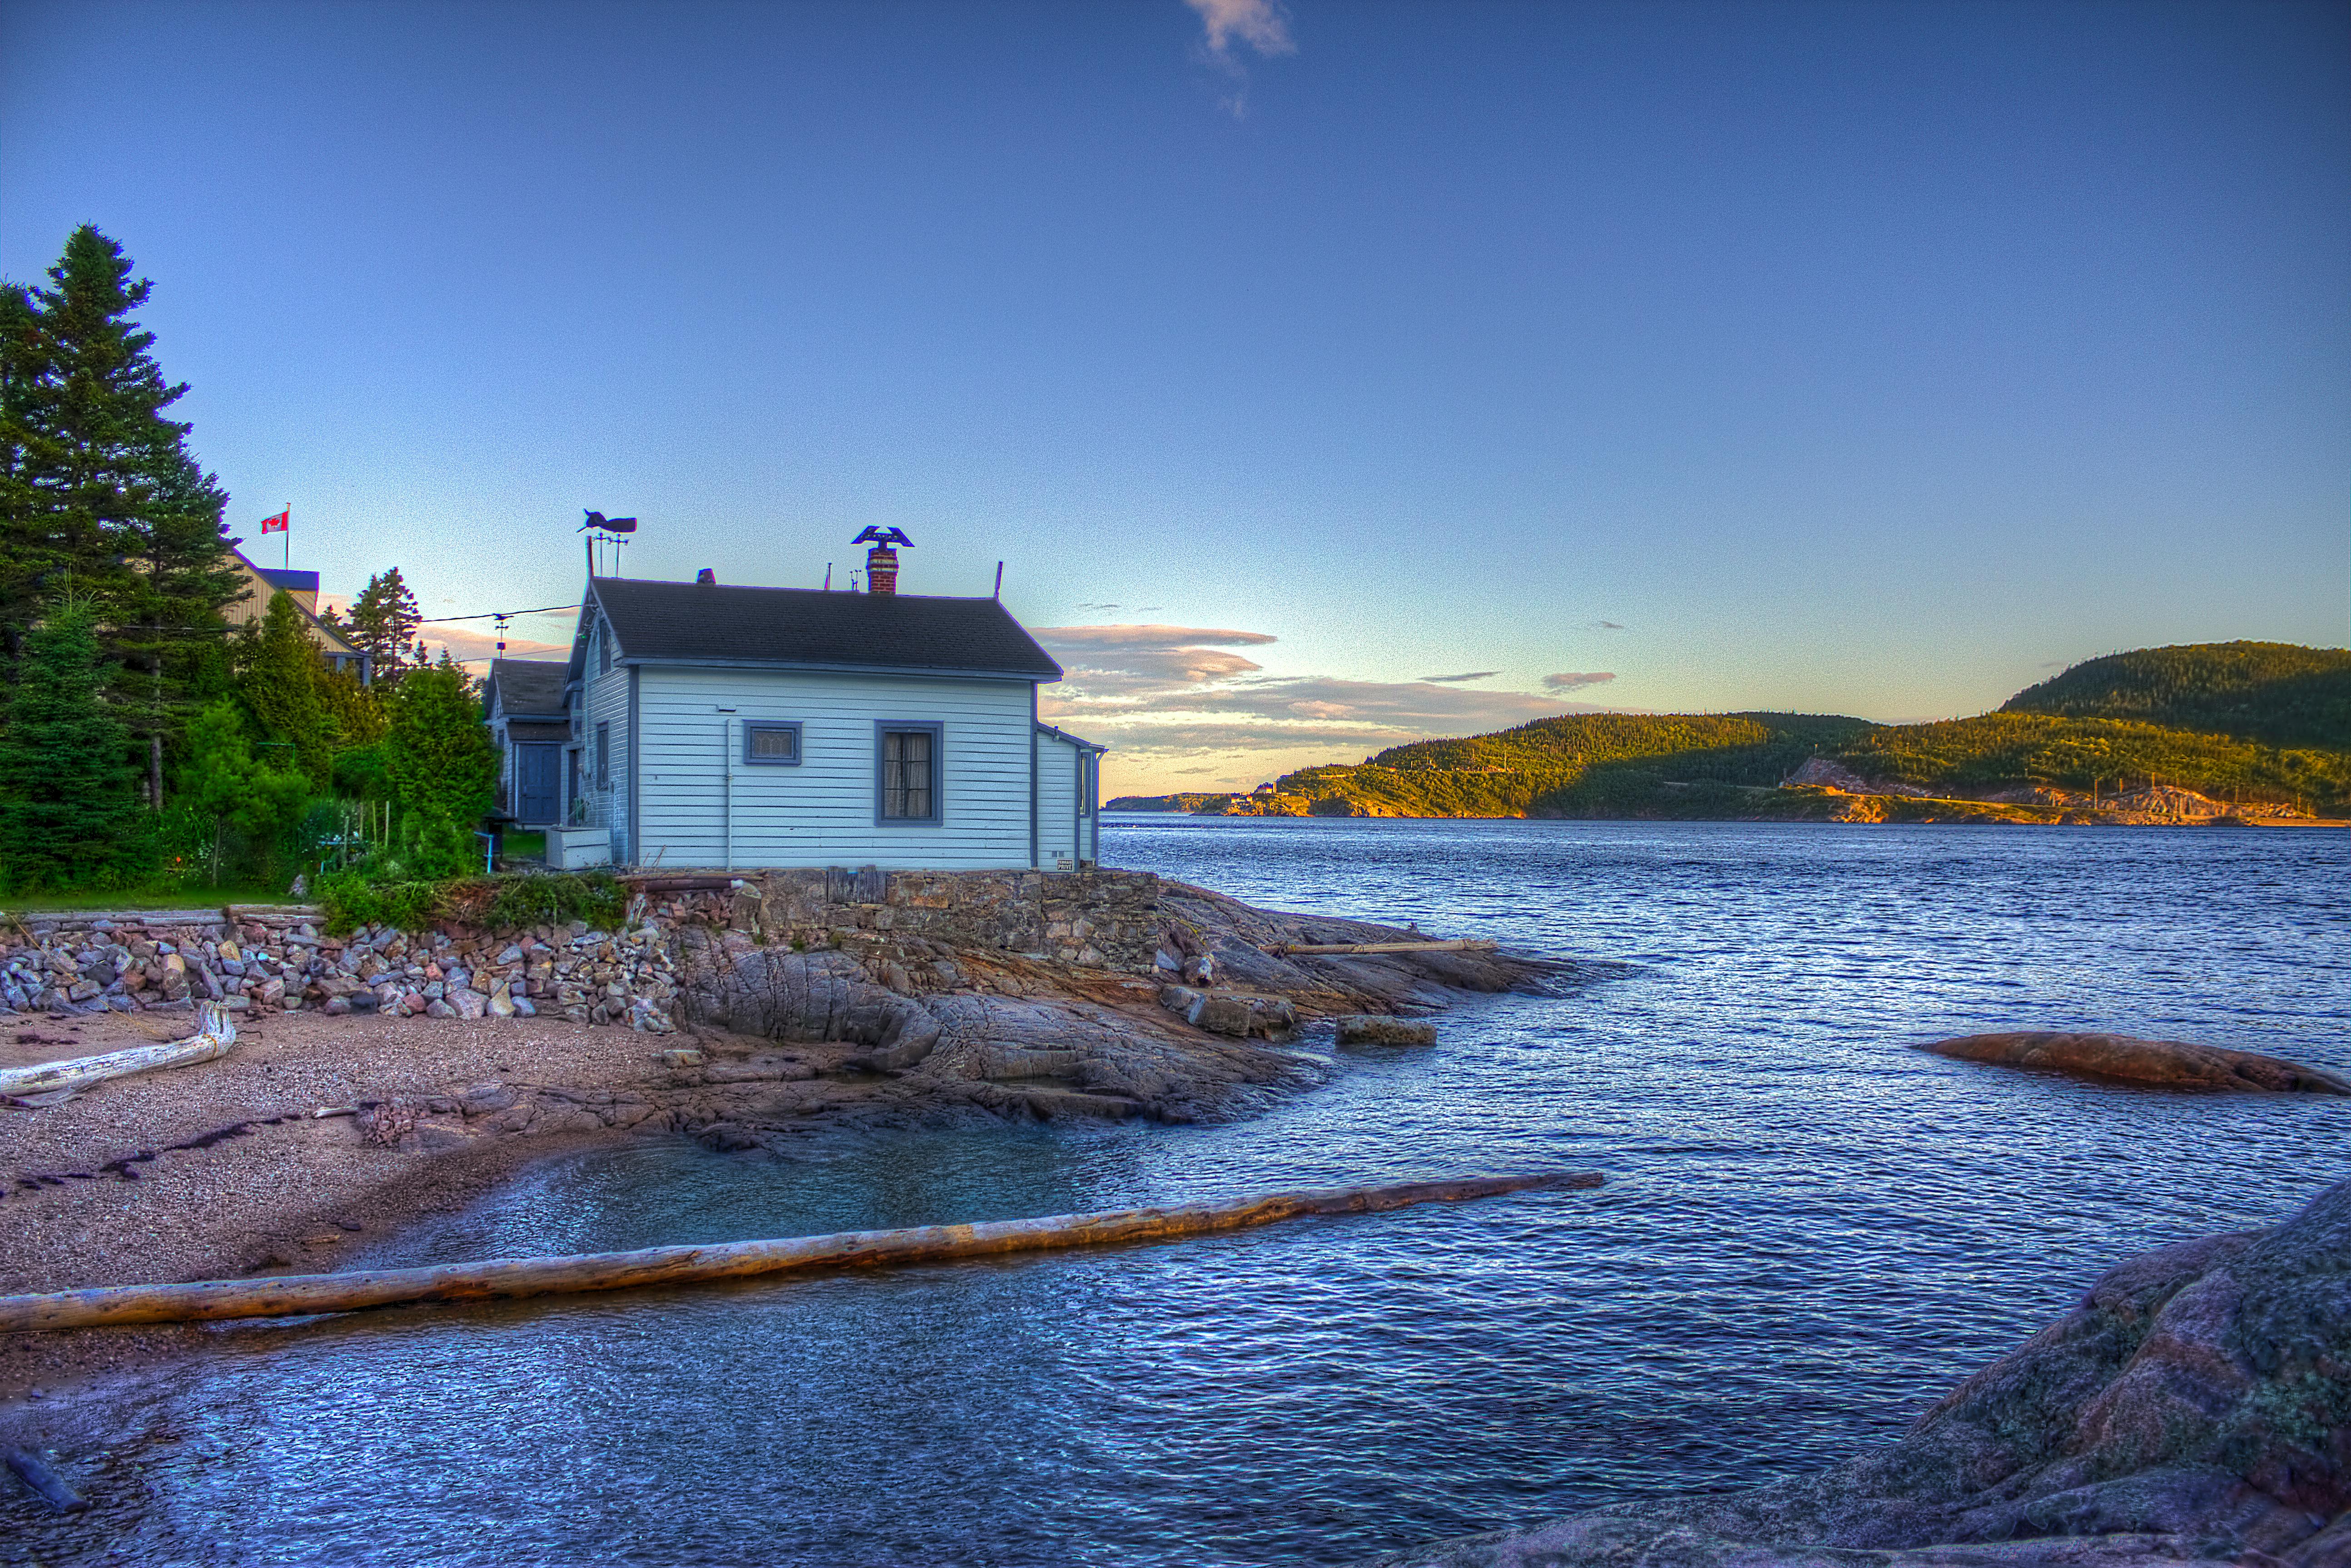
{"x":2194,"y":1407}
{"x":2172,"y":1062}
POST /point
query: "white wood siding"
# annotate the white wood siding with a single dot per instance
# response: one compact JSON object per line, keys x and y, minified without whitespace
{"x":822,"y":811}
{"x":607,"y":702}
{"x":1057,"y":801}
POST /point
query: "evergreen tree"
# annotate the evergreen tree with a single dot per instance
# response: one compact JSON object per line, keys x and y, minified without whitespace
{"x":230,"y":790}
{"x":281,"y":685}
{"x":355,"y":711}
{"x":443,"y":764}
{"x":68,"y":817}
{"x":383,"y":622}
{"x":99,"y":486}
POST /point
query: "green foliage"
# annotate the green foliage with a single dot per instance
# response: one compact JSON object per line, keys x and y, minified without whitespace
{"x":2278,"y":692}
{"x":352,"y":900}
{"x":1578,"y":765}
{"x":356,"y":898}
{"x":361,"y":773}
{"x":1998,"y":750}
{"x":355,"y":713}
{"x":67,"y":818}
{"x":383,"y":621}
{"x":101,"y":489}
{"x":553,"y":900}
{"x":283,"y":674}
{"x":250,"y":804}
{"x":1727,"y":765}
{"x":441,"y":764}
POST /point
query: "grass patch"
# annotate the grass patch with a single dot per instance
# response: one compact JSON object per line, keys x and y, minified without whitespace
{"x":172,"y":895}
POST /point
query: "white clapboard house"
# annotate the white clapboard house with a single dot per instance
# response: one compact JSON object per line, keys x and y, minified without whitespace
{"x":712,"y":726}
{"x":523,"y":701}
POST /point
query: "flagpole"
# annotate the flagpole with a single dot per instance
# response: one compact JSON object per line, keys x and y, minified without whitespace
{"x":288,"y":531}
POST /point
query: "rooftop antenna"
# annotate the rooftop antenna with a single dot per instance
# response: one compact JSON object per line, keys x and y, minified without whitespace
{"x":501,"y":630}
{"x":609,"y":530}
{"x":828,"y":577}
{"x":998,"y":593}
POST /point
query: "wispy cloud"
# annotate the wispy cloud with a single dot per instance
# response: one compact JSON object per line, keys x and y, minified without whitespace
{"x":1568,"y":681}
{"x":1146,"y":636}
{"x":1261,"y":25}
{"x":1160,"y":692}
{"x":1258,"y":22}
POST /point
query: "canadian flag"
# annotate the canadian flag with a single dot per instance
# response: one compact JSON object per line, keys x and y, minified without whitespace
{"x":278,"y":524}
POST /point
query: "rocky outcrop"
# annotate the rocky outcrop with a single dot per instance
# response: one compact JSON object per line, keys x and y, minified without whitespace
{"x":2194,"y":1407}
{"x":965,"y":1028}
{"x":2172,"y":1064}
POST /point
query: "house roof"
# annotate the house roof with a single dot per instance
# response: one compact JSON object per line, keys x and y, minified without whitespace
{"x":1081,"y":744}
{"x":693,"y":623}
{"x":291,"y":582}
{"x":252,"y":604}
{"x":528,"y":685}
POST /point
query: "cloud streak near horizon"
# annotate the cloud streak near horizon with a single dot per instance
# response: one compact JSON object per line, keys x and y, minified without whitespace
{"x":1160,"y":692}
{"x":1572,"y":680}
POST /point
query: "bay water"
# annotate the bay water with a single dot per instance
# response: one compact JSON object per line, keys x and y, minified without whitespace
{"x":1810,"y":1231}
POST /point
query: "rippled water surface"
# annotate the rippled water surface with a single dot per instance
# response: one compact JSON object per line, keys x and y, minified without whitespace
{"x":1810,"y":1232}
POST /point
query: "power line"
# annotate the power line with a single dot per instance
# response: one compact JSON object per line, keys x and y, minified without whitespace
{"x":499,"y":614}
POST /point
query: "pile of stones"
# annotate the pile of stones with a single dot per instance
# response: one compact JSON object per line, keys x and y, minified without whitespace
{"x":274,"y":963}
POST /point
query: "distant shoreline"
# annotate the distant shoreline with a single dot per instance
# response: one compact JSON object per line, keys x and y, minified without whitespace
{"x":1801,"y":805}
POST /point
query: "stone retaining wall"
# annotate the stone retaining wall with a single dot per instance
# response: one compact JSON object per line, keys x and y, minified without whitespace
{"x":261,"y":960}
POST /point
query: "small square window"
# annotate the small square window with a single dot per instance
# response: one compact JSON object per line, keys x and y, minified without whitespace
{"x":771,"y":745}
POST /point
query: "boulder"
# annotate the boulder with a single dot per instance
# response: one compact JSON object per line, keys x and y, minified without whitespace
{"x":2172,"y":1064}
{"x":1239,"y":1014}
{"x":2194,"y":1405}
{"x":1377,"y":1028}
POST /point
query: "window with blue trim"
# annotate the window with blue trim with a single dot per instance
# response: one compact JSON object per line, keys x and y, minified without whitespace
{"x":771,"y":744}
{"x":906,"y":772}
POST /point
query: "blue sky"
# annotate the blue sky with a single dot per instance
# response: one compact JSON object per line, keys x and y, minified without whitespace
{"x":1874,"y":359}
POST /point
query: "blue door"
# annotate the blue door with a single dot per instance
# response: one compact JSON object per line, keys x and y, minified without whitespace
{"x":535,"y":784}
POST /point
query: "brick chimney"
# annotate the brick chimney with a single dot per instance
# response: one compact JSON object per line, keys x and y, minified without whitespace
{"x":882,"y":569}
{"x":706,"y":578}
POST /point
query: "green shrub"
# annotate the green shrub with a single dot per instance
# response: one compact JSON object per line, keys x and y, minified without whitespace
{"x":367,"y":895}
{"x":352,"y":900}
{"x":595,"y":898}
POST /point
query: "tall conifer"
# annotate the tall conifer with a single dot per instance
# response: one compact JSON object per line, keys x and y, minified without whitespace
{"x":68,"y":817}
{"x":99,"y":486}
{"x":281,"y":685}
{"x":383,"y":621}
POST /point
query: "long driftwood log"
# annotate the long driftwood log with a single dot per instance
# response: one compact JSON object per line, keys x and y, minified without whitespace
{"x":49,"y":1083}
{"x":511,"y":1277}
{"x":1309,"y":949}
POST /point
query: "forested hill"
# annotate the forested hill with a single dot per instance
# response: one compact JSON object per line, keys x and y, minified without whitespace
{"x":2275,"y":691}
{"x":2247,"y":723}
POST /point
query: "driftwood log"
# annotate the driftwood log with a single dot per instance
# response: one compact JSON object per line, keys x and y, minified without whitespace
{"x":49,"y":1083}
{"x":35,"y":1473}
{"x":507,"y":1278}
{"x":1311,"y":949}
